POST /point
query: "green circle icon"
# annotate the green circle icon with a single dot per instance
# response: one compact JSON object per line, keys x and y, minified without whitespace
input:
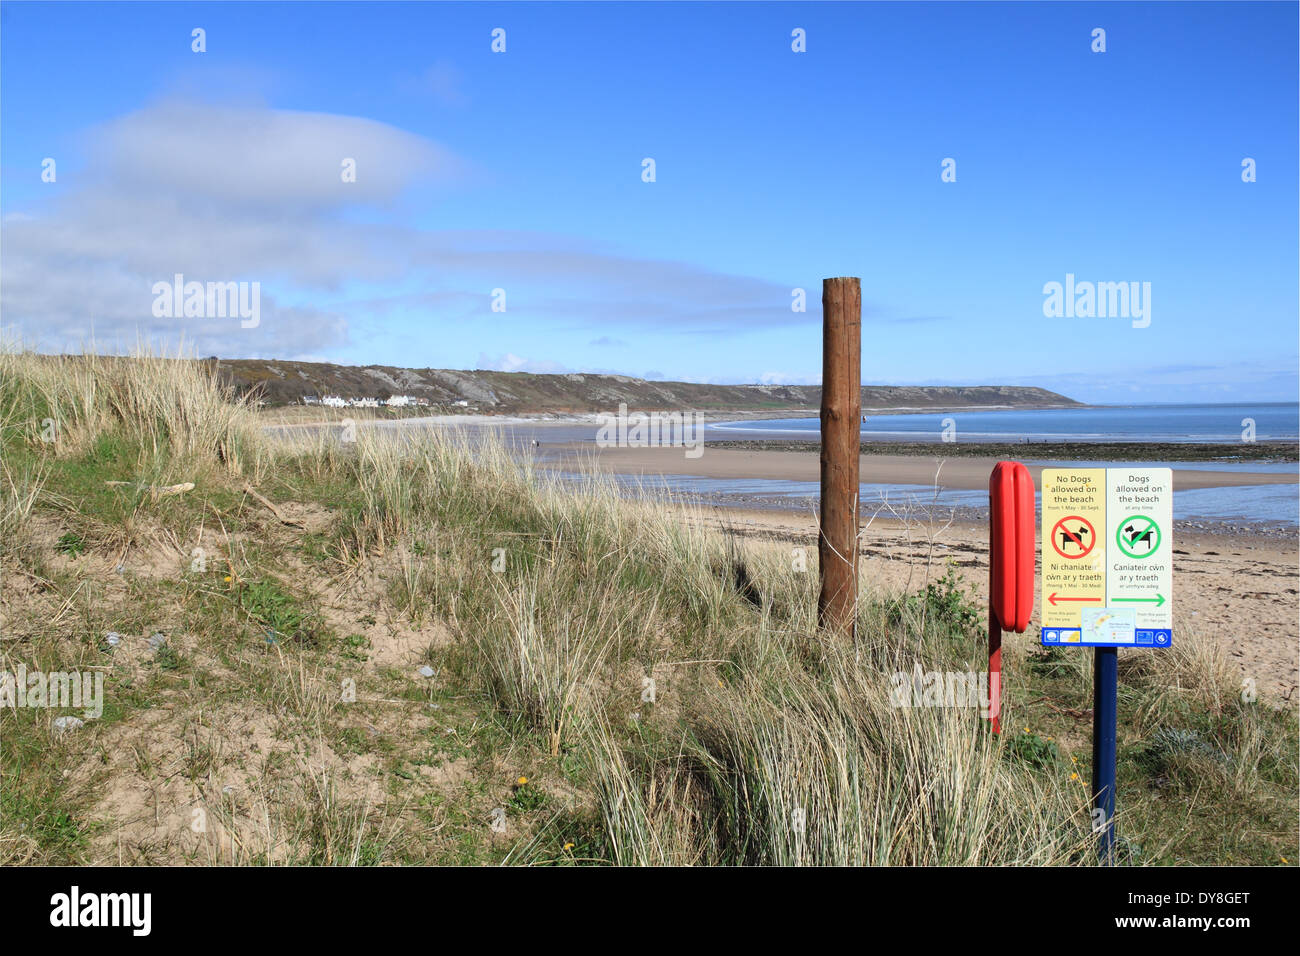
{"x":1138,"y":537}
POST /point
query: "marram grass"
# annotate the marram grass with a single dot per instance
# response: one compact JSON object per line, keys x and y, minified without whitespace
{"x":671,"y":677}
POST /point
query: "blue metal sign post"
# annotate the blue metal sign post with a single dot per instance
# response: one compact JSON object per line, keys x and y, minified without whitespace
{"x":1105,"y":690}
{"x":1107,"y":583}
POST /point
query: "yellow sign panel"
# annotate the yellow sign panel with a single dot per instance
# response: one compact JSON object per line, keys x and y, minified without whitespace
{"x":1074,"y":545}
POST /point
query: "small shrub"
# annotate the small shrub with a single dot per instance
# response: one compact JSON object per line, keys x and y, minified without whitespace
{"x":1031,"y":749}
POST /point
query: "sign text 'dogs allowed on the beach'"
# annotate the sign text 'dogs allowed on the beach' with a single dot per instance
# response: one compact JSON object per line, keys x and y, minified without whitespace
{"x":1107,"y":557}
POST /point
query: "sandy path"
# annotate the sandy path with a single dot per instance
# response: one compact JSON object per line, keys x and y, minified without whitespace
{"x":1240,"y":590}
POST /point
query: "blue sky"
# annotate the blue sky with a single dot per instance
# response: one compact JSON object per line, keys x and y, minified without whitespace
{"x":523,"y":171}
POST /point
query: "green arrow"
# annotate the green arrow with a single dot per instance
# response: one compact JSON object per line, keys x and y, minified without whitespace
{"x":1158,"y":600}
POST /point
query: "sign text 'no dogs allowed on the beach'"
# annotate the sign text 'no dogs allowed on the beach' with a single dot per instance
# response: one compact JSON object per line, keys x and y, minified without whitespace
{"x":1107,"y":570}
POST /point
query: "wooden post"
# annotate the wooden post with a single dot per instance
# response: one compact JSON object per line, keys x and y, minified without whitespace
{"x":841,"y":417}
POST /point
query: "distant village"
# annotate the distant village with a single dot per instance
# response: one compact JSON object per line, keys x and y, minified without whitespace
{"x":394,"y":401}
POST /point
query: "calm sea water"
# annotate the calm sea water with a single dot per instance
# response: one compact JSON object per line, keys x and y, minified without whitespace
{"x":1163,"y":423}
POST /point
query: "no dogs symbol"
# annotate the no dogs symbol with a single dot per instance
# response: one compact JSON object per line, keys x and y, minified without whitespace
{"x":1073,"y":537}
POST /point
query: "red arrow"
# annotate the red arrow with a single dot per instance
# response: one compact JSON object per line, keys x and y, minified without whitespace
{"x":1053,"y":600}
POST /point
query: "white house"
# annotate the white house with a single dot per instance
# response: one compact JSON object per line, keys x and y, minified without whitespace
{"x":333,"y":401}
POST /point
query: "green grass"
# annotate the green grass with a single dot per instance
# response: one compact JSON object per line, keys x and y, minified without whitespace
{"x":71,"y":544}
{"x":268,"y":604}
{"x":543,"y":613}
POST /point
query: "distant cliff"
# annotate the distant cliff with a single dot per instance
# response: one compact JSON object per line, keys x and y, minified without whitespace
{"x":284,"y":383}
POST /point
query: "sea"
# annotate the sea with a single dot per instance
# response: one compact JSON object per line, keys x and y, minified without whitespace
{"x":1244,"y":506}
{"x":1095,"y":423}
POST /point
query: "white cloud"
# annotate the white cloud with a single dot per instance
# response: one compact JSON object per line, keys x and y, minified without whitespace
{"x":509,"y":362}
{"x":263,"y":156}
{"x":788,"y":378}
{"x":221,"y":193}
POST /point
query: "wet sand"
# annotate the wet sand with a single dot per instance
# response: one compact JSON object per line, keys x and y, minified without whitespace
{"x":969,"y":474}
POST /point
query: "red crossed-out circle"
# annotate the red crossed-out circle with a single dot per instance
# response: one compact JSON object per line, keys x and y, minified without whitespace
{"x":1073,"y":536}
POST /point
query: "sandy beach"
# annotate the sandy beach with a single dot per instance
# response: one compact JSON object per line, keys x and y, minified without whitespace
{"x":1234,"y":582}
{"x":1240,"y":591}
{"x":970,"y":474}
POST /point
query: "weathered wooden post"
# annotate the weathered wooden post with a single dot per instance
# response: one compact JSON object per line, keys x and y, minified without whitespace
{"x":841,"y":416}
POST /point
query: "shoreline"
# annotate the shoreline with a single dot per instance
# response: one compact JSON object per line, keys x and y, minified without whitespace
{"x":781,"y":476}
{"x":965,"y":474}
{"x":910,"y":485}
{"x":283,"y":416}
{"x":1262,"y":451}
